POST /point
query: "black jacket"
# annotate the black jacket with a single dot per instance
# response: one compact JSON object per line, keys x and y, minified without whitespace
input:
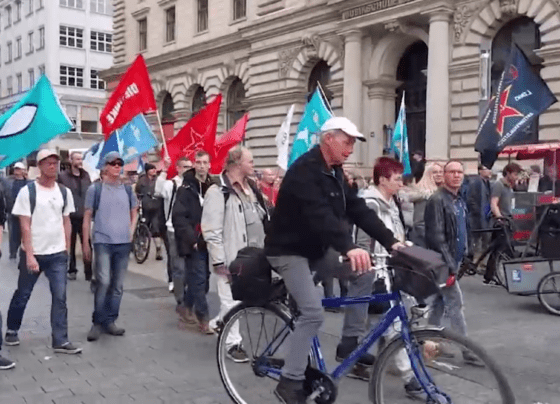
{"x":78,"y":186}
{"x":441,"y":227}
{"x":478,"y":202}
{"x":187,"y":212}
{"x":312,"y":206}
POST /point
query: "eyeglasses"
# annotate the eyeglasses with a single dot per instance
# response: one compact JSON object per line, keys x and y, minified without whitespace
{"x":116,"y":163}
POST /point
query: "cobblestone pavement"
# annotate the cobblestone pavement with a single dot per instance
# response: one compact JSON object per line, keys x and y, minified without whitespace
{"x":157,"y":361}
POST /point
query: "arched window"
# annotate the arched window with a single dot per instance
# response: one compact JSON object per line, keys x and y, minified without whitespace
{"x":199,"y":100}
{"x":167,"y":109}
{"x":525,"y":33}
{"x":321,"y":73}
{"x":236,"y":105}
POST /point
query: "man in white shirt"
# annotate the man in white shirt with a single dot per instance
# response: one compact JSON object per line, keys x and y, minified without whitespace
{"x":43,"y":208}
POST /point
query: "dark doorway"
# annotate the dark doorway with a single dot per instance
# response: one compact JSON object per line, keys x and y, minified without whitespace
{"x":412,"y":72}
{"x":167,"y":117}
{"x":321,"y":74}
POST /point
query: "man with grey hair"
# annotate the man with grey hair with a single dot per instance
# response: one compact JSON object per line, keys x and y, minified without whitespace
{"x":232,"y":218}
{"x":311,"y":213}
{"x":77,"y":180}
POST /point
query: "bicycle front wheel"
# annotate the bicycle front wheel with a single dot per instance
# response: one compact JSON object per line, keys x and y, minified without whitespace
{"x":549,"y":292}
{"x":251,"y":352}
{"x":141,"y":243}
{"x":452,"y":367}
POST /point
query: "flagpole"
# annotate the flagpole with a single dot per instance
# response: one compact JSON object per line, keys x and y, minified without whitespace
{"x":162,"y":135}
{"x":402,"y":128}
{"x":324,"y":97}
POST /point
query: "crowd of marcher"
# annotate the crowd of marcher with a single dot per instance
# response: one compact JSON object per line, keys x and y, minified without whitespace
{"x":303,"y":221}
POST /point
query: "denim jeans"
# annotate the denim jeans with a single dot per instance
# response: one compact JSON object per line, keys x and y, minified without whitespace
{"x":15,"y":234}
{"x":77,"y":232}
{"x":54,"y":266}
{"x":178,"y":275}
{"x":111,"y":263}
{"x":195,"y":294}
{"x":449,"y":303}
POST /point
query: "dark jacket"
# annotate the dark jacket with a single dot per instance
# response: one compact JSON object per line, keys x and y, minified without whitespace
{"x":441,"y":227}
{"x":478,"y":202}
{"x":312,"y":206}
{"x":10,"y":192}
{"x":187,"y":212}
{"x":3,"y":211}
{"x":78,"y":186}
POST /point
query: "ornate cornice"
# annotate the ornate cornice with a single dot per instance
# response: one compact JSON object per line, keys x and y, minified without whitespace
{"x":508,"y":7}
{"x":461,"y":18}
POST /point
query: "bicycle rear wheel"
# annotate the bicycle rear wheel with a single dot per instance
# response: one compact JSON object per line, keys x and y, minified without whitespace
{"x":261,"y":332}
{"x":549,"y":292}
{"x":461,"y":371}
{"x":141,"y":243}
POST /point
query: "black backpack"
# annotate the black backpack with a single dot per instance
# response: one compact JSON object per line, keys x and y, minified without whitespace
{"x":251,"y":276}
{"x":33,"y":196}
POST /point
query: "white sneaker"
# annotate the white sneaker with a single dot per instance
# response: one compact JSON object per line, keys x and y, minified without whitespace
{"x":171,"y":287}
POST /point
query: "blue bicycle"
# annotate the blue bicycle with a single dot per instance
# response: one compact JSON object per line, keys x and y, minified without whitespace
{"x":450,"y":368}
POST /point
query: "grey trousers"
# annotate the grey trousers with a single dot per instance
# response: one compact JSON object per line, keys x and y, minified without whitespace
{"x":178,"y":270}
{"x":295,"y":271}
{"x":356,"y":315}
{"x":449,"y":303}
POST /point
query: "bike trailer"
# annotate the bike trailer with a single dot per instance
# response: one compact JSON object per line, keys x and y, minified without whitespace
{"x":251,"y":276}
{"x":524,"y":274}
{"x":418,"y":271}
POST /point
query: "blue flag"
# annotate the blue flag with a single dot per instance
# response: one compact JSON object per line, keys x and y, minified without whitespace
{"x":520,"y":98}
{"x":91,"y":157}
{"x":399,"y":142}
{"x":111,"y":145}
{"x":136,"y":138}
{"x":316,"y":113}
{"x":34,"y":120}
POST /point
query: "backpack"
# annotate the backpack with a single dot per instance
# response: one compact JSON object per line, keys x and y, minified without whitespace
{"x":259,"y":196}
{"x":97,"y":188}
{"x":33,"y":196}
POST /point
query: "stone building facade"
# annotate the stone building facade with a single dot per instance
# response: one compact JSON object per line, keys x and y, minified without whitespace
{"x":264,"y":55}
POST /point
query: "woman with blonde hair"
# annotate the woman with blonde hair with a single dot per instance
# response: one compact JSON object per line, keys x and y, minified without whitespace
{"x":419,"y":195}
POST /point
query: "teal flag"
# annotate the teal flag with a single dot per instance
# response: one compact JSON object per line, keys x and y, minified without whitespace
{"x":315,"y":114}
{"x":136,"y":138}
{"x":399,"y":143}
{"x":34,"y":120}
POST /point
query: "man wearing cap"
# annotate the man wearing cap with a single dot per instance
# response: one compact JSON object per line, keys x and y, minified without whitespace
{"x":313,"y":203}
{"x":113,"y":206}
{"x":77,"y":180}
{"x":43,"y":208}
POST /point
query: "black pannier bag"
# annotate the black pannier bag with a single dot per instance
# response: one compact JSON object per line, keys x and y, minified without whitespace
{"x":251,"y":276}
{"x":418,"y":272}
{"x":549,"y":233}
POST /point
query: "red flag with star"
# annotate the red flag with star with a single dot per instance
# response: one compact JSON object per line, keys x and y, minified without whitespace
{"x":226,"y":142}
{"x":199,"y":133}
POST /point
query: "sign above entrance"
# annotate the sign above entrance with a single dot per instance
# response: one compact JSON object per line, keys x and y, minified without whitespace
{"x":372,"y":7}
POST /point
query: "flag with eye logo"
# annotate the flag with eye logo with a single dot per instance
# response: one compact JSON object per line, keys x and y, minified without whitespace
{"x":37,"y":118}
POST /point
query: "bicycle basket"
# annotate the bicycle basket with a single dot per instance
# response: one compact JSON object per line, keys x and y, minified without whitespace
{"x":418,"y":271}
{"x":251,"y":276}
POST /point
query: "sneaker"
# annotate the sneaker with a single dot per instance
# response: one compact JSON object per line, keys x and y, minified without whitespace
{"x":359,"y":372}
{"x":237,"y":354}
{"x":490,"y":282}
{"x":185,"y":314}
{"x":11,"y":338}
{"x":13,"y":257}
{"x":114,"y":330}
{"x":205,"y":329}
{"x":413,"y":388}
{"x":471,"y":359}
{"x":72,"y":276}
{"x":6,"y":364}
{"x":171,"y":287}
{"x":347,"y":346}
{"x":67,"y":348}
{"x":159,"y":257}
{"x":290,"y":391}
{"x":94,"y":333}
{"x":217,"y":327}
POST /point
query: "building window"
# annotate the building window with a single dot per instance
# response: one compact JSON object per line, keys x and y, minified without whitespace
{"x":19,"y":82}
{"x":9,"y":56}
{"x":30,"y":46}
{"x":239,"y":9}
{"x":100,"y":41}
{"x":41,"y":70}
{"x":18,"y":11}
{"x":8,"y":12}
{"x":95,"y":82}
{"x":72,"y":3}
{"x":71,"y":37}
{"x":72,"y":112}
{"x":18,"y":48}
{"x":320,"y":74}
{"x":89,"y":119}
{"x":31,"y":73}
{"x":170,"y":24}
{"x":71,"y":76}
{"x":30,"y":7}
{"x":143,"y":34}
{"x":101,"y":6}
{"x":41,"y":37}
{"x":202,"y":16}
{"x":10,"y":86}
{"x":236,"y":105}
{"x":199,"y":100}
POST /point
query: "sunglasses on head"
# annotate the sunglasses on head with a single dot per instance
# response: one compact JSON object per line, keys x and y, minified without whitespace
{"x":116,"y":163}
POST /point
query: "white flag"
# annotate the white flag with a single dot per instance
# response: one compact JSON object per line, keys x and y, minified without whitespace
{"x":283,"y":140}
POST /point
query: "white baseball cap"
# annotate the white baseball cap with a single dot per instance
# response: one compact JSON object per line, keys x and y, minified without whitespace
{"x":44,"y":153}
{"x":19,"y":164}
{"x":343,"y":124}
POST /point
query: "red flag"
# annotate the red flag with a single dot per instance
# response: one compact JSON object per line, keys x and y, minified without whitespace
{"x":132,"y":96}
{"x":225,"y":143}
{"x":198,"y":133}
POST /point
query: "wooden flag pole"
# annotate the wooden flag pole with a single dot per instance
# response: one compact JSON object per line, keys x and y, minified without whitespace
{"x":162,"y":135}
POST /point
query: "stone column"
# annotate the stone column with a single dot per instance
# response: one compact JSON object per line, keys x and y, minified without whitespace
{"x":438,"y":98}
{"x":352,"y":94}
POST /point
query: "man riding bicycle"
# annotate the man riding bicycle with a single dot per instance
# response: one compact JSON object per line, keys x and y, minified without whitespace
{"x":313,"y":202}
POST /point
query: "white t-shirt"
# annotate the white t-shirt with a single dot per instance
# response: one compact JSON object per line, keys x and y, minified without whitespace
{"x":47,"y":228}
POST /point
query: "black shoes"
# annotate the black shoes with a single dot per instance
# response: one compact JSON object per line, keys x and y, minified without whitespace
{"x":347,"y":346}
{"x":290,"y":391}
{"x":6,"y":364}
{"x":96,"y":331}
{"x":159,"y":257}
{"x":490,"y":282}
{"x":11,"y":338}
{"x":114,"y":330}
{"x":414,"y":389}
{"x":67,"y":348}
{"x":72,"y":276}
